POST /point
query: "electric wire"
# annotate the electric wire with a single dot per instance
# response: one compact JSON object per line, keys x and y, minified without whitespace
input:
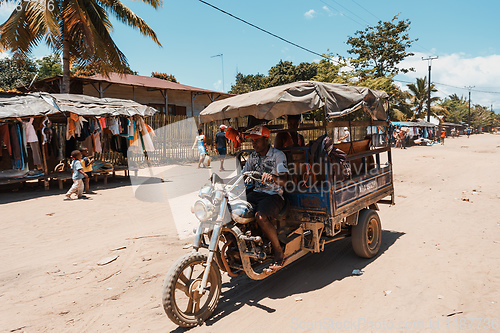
{"x":321,"y":55}
{"x":268,"y":32}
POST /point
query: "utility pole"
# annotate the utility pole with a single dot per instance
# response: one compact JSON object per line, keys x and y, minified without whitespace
{"x":221,"y":55}
{"x":470,"y":88}
{"x":429,"y":60}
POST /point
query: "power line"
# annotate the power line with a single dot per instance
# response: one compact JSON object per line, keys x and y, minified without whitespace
{"x":447,"y":85}
{"x":267,"y":32}
{"x":362,"y":19}
{"x":369,"y":12}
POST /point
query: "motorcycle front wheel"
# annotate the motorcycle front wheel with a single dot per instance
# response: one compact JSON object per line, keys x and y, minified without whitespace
{"x":182,"y":302}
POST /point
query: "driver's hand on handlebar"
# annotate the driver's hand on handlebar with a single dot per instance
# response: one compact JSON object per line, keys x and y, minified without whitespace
{"x":267,"y":178}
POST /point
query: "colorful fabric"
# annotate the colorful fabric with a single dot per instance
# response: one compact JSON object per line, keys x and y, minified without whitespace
{"x":5,"y":138}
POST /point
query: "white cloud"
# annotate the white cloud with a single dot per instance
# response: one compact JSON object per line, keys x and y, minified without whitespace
{"x":310,"y":14}
{"x":218,"y":85}
{"x":328,"y":11}
{"x":451,"y":73}
{"x":4,"y":55}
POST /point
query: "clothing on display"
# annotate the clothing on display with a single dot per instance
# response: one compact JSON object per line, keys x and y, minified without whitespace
{"x":5,"y":138}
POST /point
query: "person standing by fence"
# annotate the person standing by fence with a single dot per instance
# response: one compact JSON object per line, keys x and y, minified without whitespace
{"x":221,"y":143}
{"x":200,"y":141}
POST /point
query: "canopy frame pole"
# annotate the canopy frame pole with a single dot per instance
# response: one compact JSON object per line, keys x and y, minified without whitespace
{"x":325,"y":115}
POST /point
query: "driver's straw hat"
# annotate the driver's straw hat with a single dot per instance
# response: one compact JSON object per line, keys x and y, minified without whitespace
{"x":345,"y":128}
{"x":259,"y":131}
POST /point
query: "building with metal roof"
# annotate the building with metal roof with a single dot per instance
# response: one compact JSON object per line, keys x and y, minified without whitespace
{"x":167,"y":97}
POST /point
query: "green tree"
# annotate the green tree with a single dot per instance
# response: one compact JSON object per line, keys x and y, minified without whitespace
{"x":381,"y":48}
{"x":419,"y":95}
{"x":93,"y":69}
{"x":49,"y":66}
{"x":247,"y":83}
{"x":79,"y":30}
{"x":456,"y":108}
{"x":16,"y":72}
{"x":164,"y":76}
{"x":285,"y":72}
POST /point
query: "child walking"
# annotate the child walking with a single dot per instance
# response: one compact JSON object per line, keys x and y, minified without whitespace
{"x":78,"y":176}
{"x":87,"y":168}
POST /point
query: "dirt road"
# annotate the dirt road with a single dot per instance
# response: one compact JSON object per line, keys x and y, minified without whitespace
{"x":437,"y":271}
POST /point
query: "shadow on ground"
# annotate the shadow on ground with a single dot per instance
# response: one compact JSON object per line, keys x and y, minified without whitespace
{"x":33,"y":190}
{"x":312,"y":272}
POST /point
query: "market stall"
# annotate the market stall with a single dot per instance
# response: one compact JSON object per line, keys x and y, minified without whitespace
{"x":38,"y":131}
{"x":419,"y":131}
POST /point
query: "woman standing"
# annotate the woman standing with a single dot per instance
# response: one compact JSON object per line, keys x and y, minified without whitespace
{"x":200,"y":140}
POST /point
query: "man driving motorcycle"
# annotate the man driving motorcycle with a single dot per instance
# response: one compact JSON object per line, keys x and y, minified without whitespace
{"x":267,"y":195}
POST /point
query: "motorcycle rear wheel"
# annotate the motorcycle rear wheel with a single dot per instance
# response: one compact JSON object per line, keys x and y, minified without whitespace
{"x":180,"y":290}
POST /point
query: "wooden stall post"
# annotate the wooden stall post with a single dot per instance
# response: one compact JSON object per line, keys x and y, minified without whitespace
{"x":45,"y":169}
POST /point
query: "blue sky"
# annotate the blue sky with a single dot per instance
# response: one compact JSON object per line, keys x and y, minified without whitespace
{"x":462,"y":33}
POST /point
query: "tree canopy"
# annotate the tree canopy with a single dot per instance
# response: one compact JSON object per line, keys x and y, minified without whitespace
{"x":419,"y":95}
{"x":164,"y":76}
{"x":49,"y":66}
{"x":79,"y":30}
{"x":16,"y":72}
{"x":381,"y":48}
{"x":282,"y":73}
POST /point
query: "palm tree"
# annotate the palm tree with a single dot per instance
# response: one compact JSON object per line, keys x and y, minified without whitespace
{"x":79,"y":29}
{"x":419,"y":95}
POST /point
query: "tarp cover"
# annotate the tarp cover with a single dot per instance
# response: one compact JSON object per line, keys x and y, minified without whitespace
{"x":297,"y":98}
{"x":39,"y":104}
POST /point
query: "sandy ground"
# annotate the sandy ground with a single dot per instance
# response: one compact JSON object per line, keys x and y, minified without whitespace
{"x":438,"y":269}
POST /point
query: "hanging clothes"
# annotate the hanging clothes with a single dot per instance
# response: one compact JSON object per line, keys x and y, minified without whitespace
{"x":148,"y":142}
{"x":30,"y":131}
{"x":37,"y":156}
{"x":84,"y":129}
{"x":46,"y":131}
{"x":16,"y":146}
{"x":113,"y":125}
{"x":96,"y":138}
{"x":102,"y":122}
{"x":5,"y":138}
{"x":131,"y":128}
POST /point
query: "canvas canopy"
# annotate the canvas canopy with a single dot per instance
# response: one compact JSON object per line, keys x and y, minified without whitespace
{"x":297,"y":98}
{"x":40,"y":104}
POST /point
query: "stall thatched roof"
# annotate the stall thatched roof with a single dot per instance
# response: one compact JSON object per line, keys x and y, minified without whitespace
{"x":42,"y":104}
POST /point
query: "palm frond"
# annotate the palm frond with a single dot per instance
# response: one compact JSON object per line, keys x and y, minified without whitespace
{"x":24,"y":28}
{"x":127,"y":16}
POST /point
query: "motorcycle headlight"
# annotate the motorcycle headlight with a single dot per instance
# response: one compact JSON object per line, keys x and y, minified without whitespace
{"x":203,"y":209}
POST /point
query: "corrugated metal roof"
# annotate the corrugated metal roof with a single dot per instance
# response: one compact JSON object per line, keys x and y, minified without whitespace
{"x":149,"y":82}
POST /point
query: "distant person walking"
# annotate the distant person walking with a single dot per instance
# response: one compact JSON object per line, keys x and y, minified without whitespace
{"x":78,"y":176}
{"x":221,"y":143}
{"x":443,"y":135}
{"x":468,"y":131}
{"x":200,"y":142}
{"x":402,"y":139}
